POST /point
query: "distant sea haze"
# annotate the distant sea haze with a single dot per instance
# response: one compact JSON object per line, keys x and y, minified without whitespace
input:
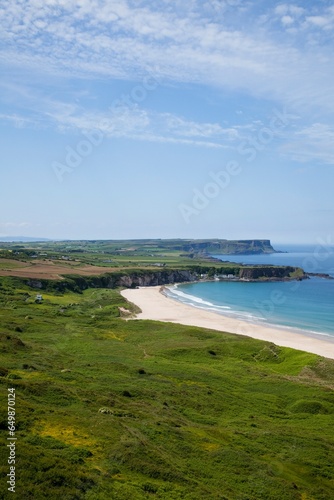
{"x":313,"y":259}
{"x":306,"y":305}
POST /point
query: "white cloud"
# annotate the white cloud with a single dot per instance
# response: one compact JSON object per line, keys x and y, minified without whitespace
{"x":137,"y":123}
{"x":320,"y":21}
{"x":306,"y":21}
{"x":119,"y":39}
{"x":312,"y":143}
{"x":140,"y":124}
{"x":283,"y":9}
{"x":193,"y":129}
{"x":318,"y":132}
{"x":17,"y":120}
{"x":287,"y":20}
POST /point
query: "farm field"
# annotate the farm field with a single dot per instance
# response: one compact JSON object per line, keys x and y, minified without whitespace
{"x":47,"y":269}
{"x":54,"y":260}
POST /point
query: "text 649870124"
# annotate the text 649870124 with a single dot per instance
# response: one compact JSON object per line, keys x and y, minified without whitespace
{"x":11,"y":481}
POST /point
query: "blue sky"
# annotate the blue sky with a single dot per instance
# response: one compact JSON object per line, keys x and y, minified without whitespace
{"x":137,"y":119}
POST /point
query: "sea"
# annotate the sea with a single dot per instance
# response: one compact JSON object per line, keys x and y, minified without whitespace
{"x":305,"y":306}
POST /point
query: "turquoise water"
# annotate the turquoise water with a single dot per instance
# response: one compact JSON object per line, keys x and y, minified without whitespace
{"x":306,"y":305}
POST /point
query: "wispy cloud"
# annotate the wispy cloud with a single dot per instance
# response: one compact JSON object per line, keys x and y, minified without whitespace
{"x":179,"y":42}
{"x":118,"y":39}
{"x":312,"y":143}
{"x":141,"y":124}
{"x":310,"y":20}
{"x":17,"y":120}
{"x":136,"y":122}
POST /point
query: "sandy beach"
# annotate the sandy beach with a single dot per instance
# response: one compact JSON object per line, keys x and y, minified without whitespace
{"x":158,"y":307}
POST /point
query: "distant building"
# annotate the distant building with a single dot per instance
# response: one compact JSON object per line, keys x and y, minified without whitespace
{"x":38,"y":298}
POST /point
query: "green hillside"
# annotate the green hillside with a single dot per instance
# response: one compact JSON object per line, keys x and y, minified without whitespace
{"x":114,"y":409}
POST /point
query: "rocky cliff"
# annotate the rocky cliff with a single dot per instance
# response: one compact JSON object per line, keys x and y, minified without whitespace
{"x":115,"y":280}
{"x":270,"y":272}
{"x":247,"y":247}
{"x":157,"y":278}
{"x":132,"y":279}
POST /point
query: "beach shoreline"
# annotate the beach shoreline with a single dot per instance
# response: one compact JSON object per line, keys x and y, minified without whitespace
{"x":158,"y":306}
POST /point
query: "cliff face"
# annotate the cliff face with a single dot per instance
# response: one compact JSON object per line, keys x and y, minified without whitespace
{"x":159,"y":278}
{"x":254,"y":273}
{"x":247,"y":247}
{"x":115,"y":280}
{"x":133,"y":279}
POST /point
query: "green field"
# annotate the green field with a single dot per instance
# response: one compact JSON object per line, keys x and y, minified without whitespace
{"x":125,"y":253}
{"x":114,"y":409}
{"x":52,"y":260}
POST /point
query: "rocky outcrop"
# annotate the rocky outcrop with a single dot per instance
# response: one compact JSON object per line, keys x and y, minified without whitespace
{"x":321,"y":275}
{"x":37,"y":284}
{"x":158,"y":278}
{"x":246,"y":247}
{"x":270,"y":272}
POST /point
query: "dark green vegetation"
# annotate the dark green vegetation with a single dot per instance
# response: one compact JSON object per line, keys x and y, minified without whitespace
{"x":109,"y":409}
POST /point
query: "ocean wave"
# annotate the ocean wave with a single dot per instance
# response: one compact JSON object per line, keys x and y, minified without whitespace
{"x":304,"y":330}
{"x":199,"y":303}
{"x":297,"y":324}
{"x":192,"y":298}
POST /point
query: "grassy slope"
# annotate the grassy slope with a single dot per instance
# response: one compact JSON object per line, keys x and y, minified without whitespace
{"x":189,"y":413}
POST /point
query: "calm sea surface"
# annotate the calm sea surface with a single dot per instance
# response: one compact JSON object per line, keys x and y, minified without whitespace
{"x":304,"y":305}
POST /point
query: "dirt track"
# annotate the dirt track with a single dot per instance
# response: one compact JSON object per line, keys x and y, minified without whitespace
{"x":48,"y":269}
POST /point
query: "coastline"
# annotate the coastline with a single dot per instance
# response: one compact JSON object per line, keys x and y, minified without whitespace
{"x":159,"y":307}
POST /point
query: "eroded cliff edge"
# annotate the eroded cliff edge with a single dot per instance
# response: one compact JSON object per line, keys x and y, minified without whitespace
{"x":134,"y":278}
